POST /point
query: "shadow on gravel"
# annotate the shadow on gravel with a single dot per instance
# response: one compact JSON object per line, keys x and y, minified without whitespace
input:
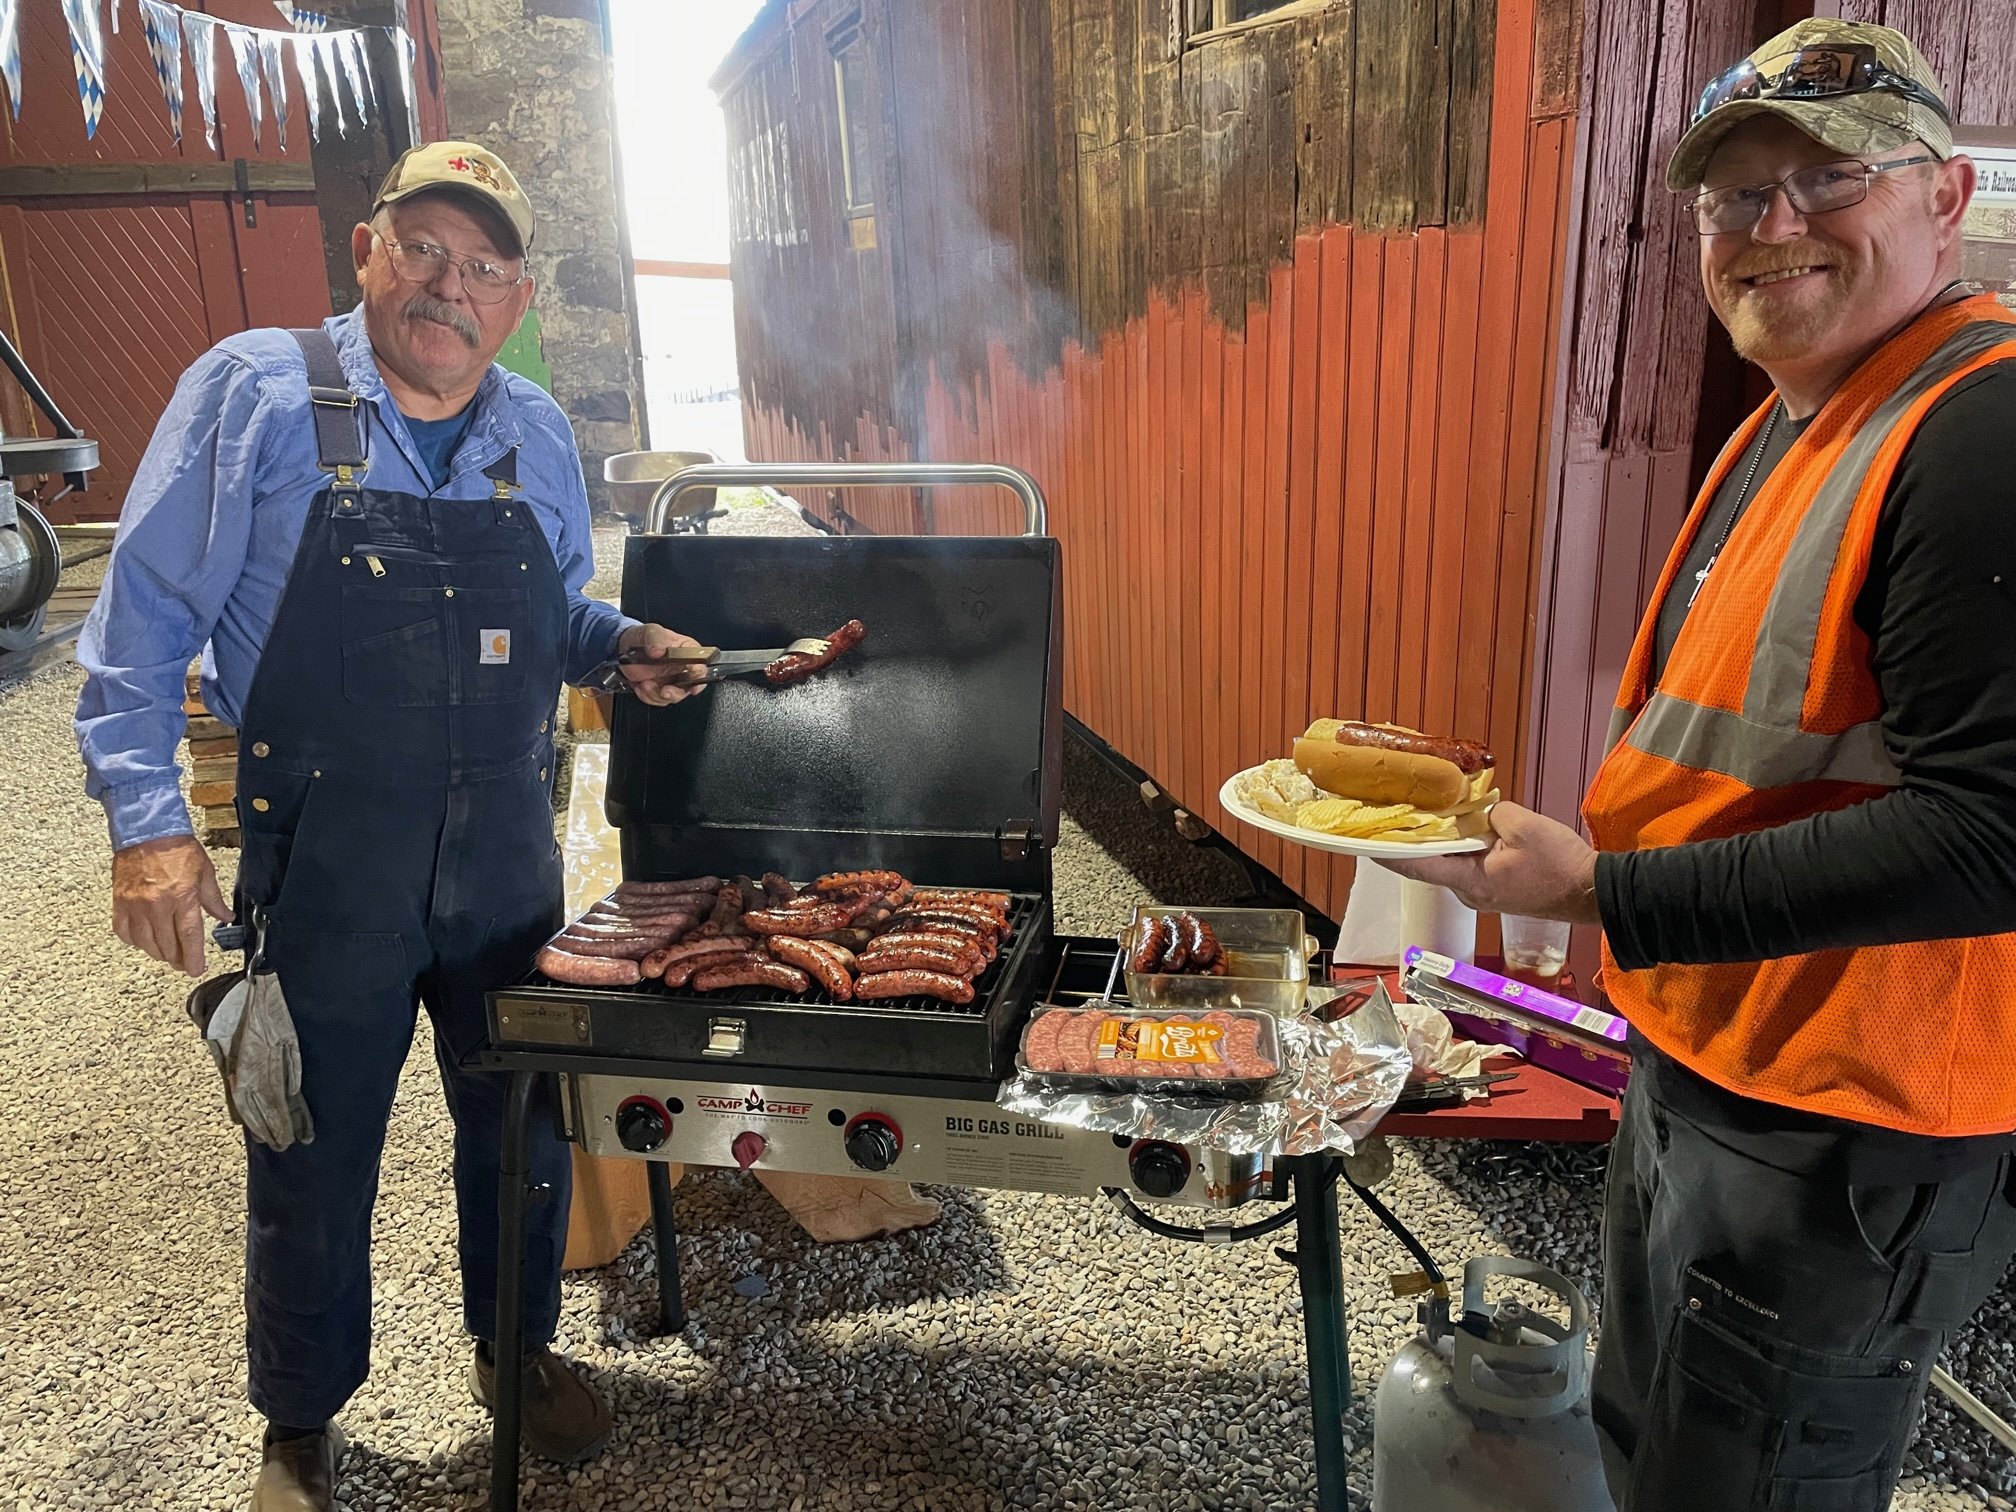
{"x":1109,"y":809}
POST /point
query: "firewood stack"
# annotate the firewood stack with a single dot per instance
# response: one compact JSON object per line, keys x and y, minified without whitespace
{"x":213,"y":765}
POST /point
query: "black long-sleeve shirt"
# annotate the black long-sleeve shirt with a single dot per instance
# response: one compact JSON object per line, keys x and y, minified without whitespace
{"x":1934,"y":858}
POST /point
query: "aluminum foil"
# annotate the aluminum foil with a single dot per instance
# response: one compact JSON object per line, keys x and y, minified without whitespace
{"x":1337,"y":1081}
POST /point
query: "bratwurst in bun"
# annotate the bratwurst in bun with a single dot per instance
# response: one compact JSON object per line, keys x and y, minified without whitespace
{"x":1387,"y":764}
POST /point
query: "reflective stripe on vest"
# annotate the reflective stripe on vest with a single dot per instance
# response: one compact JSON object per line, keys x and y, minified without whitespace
{"x":1764,"y":746}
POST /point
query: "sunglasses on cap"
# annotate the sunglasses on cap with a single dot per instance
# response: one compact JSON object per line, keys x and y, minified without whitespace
{"x":1815,"y":73}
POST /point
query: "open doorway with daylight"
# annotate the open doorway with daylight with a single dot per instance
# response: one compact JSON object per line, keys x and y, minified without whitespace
{"x":675,"y":190}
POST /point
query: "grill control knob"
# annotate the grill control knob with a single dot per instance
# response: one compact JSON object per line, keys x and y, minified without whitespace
{"x":748,"y":1148}
{"x":642,"y":1124}
{"x":873,"y":1142}
{"x":1160,"y":1170}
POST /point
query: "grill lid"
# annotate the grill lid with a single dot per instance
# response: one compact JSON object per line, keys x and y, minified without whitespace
{"x":934,"y":748}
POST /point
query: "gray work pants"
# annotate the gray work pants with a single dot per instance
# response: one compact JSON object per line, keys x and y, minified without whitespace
{"x":1771,"y":1314}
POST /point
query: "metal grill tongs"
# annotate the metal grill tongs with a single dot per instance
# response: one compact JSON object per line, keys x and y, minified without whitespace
{"x":711,"y":664}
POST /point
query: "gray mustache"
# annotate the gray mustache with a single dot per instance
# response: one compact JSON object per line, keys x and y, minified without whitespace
{"x":427,"y":307}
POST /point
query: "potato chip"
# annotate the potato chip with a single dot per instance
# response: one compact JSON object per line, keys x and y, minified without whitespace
{"x":1354,"y":820}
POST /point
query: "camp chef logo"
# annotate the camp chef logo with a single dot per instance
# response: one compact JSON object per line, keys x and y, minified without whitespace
{"x":479,"y":170}
{"x":755,"y":1105}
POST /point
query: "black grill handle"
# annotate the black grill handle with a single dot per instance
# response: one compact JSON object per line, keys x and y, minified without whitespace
{"x":850,"y":475}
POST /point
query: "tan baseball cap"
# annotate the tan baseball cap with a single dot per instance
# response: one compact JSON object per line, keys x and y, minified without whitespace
{"x":465,"y":167}
{"x":1862,"y":124}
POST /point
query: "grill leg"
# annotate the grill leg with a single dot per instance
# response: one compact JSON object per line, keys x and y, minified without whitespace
{"x":671,"y":1304}
{"x":1319,"y":1261}
{"x":508,"y":1349}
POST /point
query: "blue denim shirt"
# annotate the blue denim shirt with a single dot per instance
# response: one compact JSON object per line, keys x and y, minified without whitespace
{"x":209,"y":528}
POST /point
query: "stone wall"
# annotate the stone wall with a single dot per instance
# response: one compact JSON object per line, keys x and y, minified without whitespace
{"x":529,"y":79}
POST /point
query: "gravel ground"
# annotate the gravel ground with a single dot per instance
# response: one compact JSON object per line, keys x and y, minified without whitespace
{"x":1021,"y":1353}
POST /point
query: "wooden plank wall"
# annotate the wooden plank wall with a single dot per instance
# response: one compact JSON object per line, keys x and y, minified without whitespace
{"x":1653,"y":387}
{"x":1274,"y":326}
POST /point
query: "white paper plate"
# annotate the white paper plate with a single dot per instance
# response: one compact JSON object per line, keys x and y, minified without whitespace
{"x":1338,"y":845}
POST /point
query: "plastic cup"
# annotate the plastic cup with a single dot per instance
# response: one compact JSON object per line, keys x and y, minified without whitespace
{"x":1535,"y":950}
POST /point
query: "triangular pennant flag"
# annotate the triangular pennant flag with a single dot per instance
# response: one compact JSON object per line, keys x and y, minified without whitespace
{"x":245,"y":54}
{"x":300,"y":19}
{"x":87,"y":55}
{"x":327,"y":46}
{"x":411,"y":54}
{"x":10,"y":52}
{"x":303,"y":48}
{"x":350,"y":44}
{"x":273,"y":55}
{"x":202,"y":33}
{"x":163,"y":25}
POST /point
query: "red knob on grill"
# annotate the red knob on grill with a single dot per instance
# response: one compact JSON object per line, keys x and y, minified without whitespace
{"x":748,"y":1148}
{"x":873,"y":1141}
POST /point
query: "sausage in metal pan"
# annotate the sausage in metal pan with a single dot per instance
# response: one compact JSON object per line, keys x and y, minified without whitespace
{"x":751,"y":971}
{"x":588,"y":971}
{"x":810,"y":958}
{"x":796,"y":667}
{"x":1201,"y":941}
{"x":1148,"y":948}
{"x":1176,"y":955}
{"x":938,"y":984}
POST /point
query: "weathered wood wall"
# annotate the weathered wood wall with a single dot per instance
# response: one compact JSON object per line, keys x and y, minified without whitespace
{"x":1272,"y":318}
{"x":1653,"y":386}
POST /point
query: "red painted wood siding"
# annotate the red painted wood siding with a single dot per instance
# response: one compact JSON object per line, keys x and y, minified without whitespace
{"x":1331,"y":508}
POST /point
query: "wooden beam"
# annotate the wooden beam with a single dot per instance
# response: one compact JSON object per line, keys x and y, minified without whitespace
{"x":153,"y":178}
{"x":651,"y":267}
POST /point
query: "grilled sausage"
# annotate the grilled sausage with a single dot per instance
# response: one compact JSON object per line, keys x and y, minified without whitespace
{"x":1176,"y":954}
{"x":977,"y":924}
{"x":608,"y":925}
{"x":938,"y":984}
{"x":796,"y":667}
{"x":694,"y":949}
{"x":920,"y":959}
{"x":779,"y":889}
{"x":1469,"y":755}
{"x":663,"y":889}
{"x":972,"y":913}
{"x":853,"y":884}
{"x":852,"y":938}
{"x":634,"y":946}
{"x":996,"y":901}
{"x":972,"y":958}
{"x":808,"y":957}
{"x":839,"y":954}
{"x":751,"y":971}
{"x":1148,"y":949}
{"x":680,"y":972}
{"x":1205,"y":951}
{"x":586,"y":970}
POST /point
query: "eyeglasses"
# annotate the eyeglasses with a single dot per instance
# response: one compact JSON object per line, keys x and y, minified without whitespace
{"x":423,"y":262}
{"x":1812,"y":191}
{"x":1815,"y":73}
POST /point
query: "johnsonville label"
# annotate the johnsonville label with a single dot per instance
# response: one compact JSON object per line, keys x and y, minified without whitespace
{"x":1160,"y":1040}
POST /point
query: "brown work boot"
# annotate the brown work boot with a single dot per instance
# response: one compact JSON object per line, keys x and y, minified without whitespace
{"x":561,"y":1417}
{"x":299,"y":1474}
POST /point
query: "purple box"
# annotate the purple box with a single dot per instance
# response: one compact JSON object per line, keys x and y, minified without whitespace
{"x":1586,"y":1045}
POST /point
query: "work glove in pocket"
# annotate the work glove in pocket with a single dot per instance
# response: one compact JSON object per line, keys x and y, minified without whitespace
{"x":250,"y":1035}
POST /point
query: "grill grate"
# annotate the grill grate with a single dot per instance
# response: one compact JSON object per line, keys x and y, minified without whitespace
{"x":1023,"y":911}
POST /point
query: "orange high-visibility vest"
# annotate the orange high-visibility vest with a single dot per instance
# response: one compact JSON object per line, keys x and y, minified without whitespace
{"x":1768,"y":712}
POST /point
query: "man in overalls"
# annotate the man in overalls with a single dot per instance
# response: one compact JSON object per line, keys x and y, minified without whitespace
{"x":381,"y":539}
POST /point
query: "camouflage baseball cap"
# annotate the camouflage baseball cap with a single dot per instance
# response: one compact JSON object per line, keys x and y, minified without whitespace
{"x":463,"y":167}
{"x":1863,"y":122}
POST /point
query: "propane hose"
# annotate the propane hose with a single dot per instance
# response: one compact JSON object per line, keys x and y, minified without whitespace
{"x":1235,"y":1233}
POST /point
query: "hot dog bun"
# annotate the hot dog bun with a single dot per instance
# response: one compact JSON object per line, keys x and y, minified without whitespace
{"x":1373,"y":775}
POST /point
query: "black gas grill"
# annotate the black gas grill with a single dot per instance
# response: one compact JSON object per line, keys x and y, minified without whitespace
{"x":935,"y":750}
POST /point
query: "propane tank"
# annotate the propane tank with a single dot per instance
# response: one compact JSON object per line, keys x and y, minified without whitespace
{"x":1489,"y":1411}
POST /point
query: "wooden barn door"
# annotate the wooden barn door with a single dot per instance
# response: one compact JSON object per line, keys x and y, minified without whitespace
{"x":122,"y":258}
